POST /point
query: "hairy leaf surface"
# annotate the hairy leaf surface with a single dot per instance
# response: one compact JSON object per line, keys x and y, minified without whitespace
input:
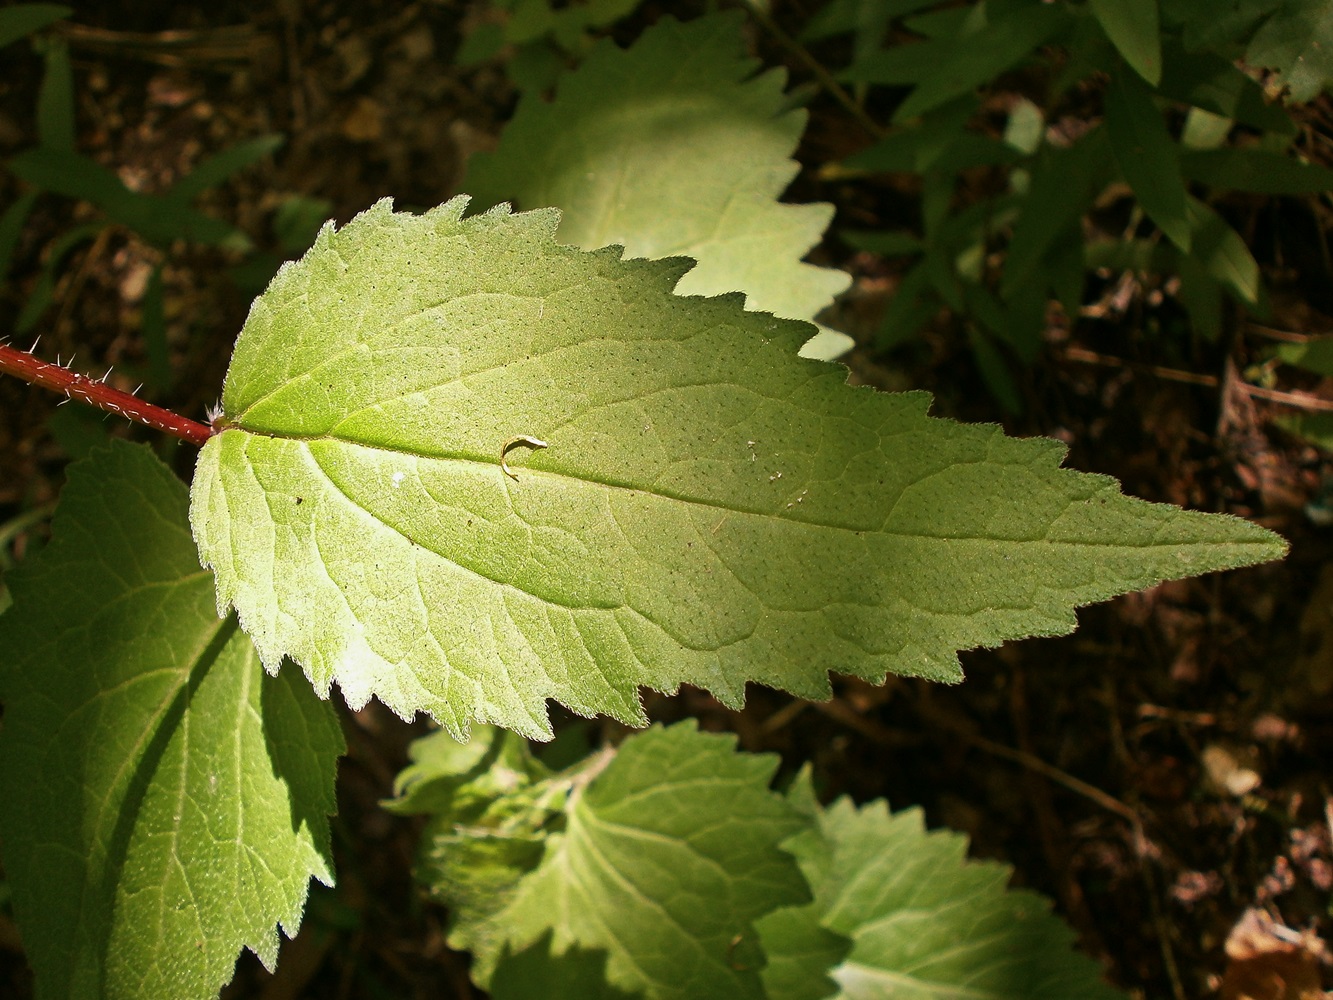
{"x":710,"y":509}
{"x":924,"y":922}
{"x":672,"y":147}
{"x":165,"y":802}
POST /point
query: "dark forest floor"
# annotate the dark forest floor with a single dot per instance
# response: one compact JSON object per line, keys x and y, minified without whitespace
{"x":1158,"y":773}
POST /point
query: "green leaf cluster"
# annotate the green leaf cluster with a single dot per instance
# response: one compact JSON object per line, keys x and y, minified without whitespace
{"x":667,"y":868}
{"x":705,"y":507}
{"x":1183,"y":128}
{"x":465,"y":468}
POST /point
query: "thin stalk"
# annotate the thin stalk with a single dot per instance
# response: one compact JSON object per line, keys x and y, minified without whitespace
{"x":822,"y":75}
{"x":35,"y":371}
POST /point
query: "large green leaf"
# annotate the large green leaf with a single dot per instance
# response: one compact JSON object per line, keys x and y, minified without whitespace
{"x":800,"y":954}
{"x":672,"y":147}
{"x":711,"y":509}
{"x":534,"y":972}
{"x":165,"y":802}
{"x":668,"y":853}
{"x":924,"y":923}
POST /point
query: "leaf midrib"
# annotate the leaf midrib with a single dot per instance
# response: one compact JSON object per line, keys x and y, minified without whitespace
{"x":637,"y":488}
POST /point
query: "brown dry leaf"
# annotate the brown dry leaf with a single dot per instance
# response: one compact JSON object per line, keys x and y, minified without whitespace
{"x":1268,"y":961}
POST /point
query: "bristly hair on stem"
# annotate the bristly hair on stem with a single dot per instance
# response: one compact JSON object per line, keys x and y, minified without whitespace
{"x":95,"y":392}
{"x":217,"y":420}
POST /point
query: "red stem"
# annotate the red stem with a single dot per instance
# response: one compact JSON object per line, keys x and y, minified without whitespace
{"x":38,"y":372}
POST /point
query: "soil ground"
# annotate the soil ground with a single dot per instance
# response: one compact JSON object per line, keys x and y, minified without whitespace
{"x":1160,"y":773}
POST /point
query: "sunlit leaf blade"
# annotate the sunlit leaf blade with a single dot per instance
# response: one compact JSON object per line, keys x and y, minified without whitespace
{"x":165,"y":802}
{"x":925,"y":923}
{"x":667,"y":856}
{"x":672,"y":147}
{"x":709,"y":509}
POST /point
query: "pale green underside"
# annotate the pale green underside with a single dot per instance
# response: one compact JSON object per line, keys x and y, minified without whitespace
{"x":710,"y":510}
{"x":165,"y":802}
{"x":674,"y":148}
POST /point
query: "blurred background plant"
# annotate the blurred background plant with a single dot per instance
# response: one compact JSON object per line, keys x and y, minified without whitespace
{"x":1065,"y":152}
{"x":105,"y":206}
